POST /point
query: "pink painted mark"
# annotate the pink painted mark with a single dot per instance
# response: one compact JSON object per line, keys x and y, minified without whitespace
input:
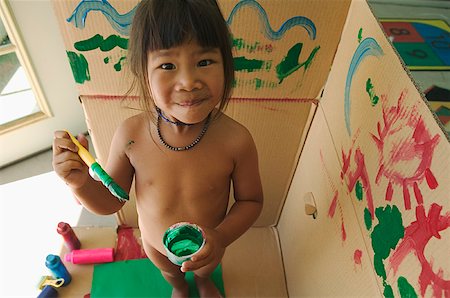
{"x":359,"y":174}
{"x":335,"y":201}
{"x":333,"y":204}
{"x":406,"y":150}
{"x":128,"y":247}
{"x":357,"y":256}
{"x":417,"y":236}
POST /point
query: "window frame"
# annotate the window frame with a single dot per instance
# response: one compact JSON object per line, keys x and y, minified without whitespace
{"x":17,"y":46}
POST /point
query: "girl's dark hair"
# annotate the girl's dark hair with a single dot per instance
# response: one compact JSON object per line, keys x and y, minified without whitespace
{"x":162,"y":24}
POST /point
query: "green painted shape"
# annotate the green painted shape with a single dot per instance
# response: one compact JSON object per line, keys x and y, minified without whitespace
{"x":118,"y":65}
{"x":113,"y":41}
{"x":80,"y":67}
{"x":290,"y":63}
{"x":105,"y":45}
{"x":367,"y":219}
{"x":360,"y":35}
{"x":405,"y":288}
{"x":385,"y":235}
{"x":388,"y":292}
{"x":359,"y":190}
{"x":369,"y":89}
{"x":249,"y":65}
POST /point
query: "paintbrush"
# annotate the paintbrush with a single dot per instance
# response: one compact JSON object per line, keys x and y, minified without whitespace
{"x":107,"y":181}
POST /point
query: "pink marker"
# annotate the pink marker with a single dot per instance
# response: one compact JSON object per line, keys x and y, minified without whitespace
{"x":90,"y":256}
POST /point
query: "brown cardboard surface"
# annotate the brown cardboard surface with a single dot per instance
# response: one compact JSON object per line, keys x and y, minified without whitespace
{"x":397,"y":152}
{"x":253,"y":267}
{"x":90,"y":238}
{"x":325,"y":256}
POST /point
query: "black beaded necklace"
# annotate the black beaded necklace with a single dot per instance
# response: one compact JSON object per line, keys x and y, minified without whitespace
{"x":191,"y":145}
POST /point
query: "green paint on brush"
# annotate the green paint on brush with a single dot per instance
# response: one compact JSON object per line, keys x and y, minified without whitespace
{"x":405,"y":288}
{"x":385,"y":236}
{"x":80,"y":67}
{"x":290,"y":63}
{"x":107,"y":181}
{"x":105,"y":45}
{"x":359,"y":190}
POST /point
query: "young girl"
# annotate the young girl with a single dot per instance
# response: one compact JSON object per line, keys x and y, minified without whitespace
{"x":182,"y":150}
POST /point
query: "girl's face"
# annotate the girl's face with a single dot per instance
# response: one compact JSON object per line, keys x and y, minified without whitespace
{"x":186,"y":81}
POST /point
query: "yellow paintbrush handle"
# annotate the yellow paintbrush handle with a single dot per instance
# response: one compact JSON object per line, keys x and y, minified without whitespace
{"x":82,"y":152}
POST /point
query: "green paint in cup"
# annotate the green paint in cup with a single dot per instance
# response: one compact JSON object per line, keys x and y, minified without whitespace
{"x":182,"y":241}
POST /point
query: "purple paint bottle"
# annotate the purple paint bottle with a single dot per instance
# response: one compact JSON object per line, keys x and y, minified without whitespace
{"x":70,"y":239}
{"x":58,"y":269}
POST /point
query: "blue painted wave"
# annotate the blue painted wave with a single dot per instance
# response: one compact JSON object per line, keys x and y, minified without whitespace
{"x":367,"y":47}
{"x":120,"y":23}
{"x":267,"y":29}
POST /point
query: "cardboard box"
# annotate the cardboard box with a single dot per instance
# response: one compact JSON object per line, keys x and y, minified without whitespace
{"x":339,"y":125}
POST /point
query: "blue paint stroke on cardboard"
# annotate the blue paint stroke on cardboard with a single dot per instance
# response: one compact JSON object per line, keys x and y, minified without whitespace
{"x":368,"y":47}
{"x":120,"y":22}
{"x":267,"y":29}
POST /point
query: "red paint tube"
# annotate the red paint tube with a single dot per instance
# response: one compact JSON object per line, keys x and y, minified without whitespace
{"x":70,"y":239}
{"x":90,"y":256}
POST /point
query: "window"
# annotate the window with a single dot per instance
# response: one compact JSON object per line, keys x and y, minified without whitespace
{"x":21,"y":99}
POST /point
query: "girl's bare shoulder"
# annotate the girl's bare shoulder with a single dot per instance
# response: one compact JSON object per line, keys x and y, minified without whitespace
{"x":233,"y":131}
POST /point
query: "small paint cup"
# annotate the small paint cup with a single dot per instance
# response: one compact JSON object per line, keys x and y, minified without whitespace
{"x":182,"y":241}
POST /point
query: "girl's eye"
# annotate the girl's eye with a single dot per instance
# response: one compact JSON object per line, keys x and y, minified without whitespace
{"x":167,"y":66}
{"x":205,"y":62}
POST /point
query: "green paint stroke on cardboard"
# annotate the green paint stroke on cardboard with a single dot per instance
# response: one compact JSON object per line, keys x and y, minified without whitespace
{"x":405,"y":288}
{"x":360,"y":35}
{"x":369,"y":89}
{"x":385,"y":236}
{"x":118,"y":65}
{"x":388,"y":292}
{"x":367,"y":219}
{"x":249,"y":65}
{"x":290,"y":63}
{"x":80,"y":67}
{"x":105,"y":45}
{"x":359,"y":189}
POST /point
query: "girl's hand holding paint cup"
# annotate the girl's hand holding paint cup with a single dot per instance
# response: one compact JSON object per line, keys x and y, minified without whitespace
{"x":192,"y":247}
{"x":209,"y":256}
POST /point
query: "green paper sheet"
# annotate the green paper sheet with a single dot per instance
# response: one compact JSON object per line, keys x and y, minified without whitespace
{"x":140,"y":278}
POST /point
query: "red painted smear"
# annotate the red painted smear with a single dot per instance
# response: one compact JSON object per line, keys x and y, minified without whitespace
{"x":431,"y":180}
{"x":359,"y":174}
{"x":343,"y":232}
{"x":418,"y":194}
{"x":417,"y":236}
{"x":333,"y":204}
{"x":357,"y":255}
{"x":406,"y":197}
{"x":128,"y":247}
{"x":389,"y":192}
{"x":404,"y":139}
{"x":109,"y":97}
{"x":247,"y":99}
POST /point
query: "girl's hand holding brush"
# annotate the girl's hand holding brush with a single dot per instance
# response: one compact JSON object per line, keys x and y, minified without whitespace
{"x":66,"y":162}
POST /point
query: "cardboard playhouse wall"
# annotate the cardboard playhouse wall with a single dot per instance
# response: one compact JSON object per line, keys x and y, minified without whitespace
{"x":339,"y":125}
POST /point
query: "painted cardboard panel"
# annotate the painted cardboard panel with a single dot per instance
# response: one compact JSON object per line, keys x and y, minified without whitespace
{"x":394,"y":158}
{"x":280,"y":50}
{"x":325,"y":256}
